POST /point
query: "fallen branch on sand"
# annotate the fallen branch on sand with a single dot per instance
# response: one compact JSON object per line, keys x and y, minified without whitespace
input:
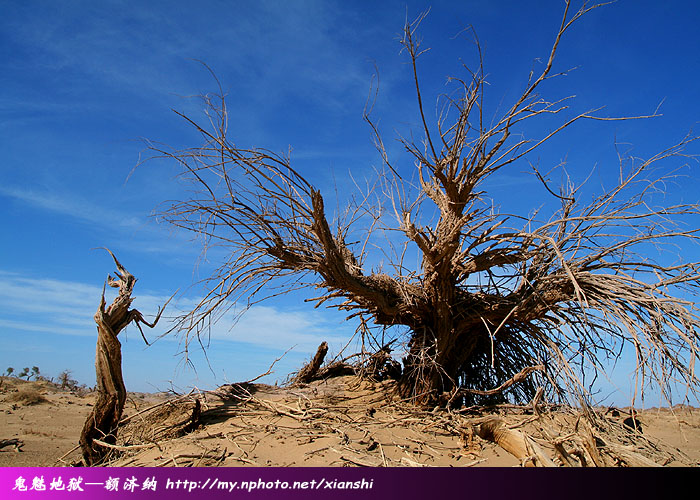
{"x":517,"y":443}
{"x":125,"y":448}
{"x":17,"y":443}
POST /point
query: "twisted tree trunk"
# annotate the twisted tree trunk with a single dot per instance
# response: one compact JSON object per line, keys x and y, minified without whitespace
{"x":102,"y":422}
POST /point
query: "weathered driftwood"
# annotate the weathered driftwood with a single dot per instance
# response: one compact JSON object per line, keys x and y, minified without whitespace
{"x":517,"y":443}
{"x":104,"y":418}
{"x":309,"y":371}
{"x":17,"y":443}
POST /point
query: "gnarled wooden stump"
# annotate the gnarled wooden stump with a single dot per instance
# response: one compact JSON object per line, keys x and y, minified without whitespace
{"x":102,"y":422}
{"x":309,"y":371}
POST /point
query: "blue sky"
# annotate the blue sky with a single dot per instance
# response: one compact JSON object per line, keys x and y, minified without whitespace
{"x":81,"y":83}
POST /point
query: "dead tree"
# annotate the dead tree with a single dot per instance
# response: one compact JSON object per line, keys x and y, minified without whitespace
{"x":104,"y":418}
{"x":497,"y":302}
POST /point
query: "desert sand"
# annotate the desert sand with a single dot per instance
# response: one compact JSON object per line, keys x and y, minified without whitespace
{"x":342,"y":421}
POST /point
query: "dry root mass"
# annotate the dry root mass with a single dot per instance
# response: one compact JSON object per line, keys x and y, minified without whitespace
{"x":347,"y":421}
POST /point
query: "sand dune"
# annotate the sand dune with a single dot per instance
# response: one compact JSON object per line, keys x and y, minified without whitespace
{"x":342,"y":421}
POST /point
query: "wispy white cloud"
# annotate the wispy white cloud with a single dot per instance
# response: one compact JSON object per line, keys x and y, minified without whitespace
{"x":258,"y":45}
{"x":67,"y":308}
{"x":72,"y":206}
{"x":138,"y":230}
{"x":80,"y":328}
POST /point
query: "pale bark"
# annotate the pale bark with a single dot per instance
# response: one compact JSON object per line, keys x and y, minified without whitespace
{"x":104,"y":418}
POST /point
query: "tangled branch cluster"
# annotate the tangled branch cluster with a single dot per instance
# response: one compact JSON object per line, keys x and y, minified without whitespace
{"x":494,"y":295}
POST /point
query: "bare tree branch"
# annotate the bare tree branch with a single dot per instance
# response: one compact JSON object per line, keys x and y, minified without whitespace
{"x":492,"y":294}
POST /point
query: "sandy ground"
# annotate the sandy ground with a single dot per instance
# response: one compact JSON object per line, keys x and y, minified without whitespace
{"x":339,"y":422}
{"x":49,"y":428}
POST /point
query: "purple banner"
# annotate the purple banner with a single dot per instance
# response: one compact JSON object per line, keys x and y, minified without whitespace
{"x":190,"y":483}
{"x":335,"y":483}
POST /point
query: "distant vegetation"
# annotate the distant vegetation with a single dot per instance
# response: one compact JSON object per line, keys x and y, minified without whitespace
{"x":64,"y":380}
{"x":25,"y":373}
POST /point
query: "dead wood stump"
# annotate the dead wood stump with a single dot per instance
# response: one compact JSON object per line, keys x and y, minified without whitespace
{"x":309,"y":371}
{"x":104,"y":418}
